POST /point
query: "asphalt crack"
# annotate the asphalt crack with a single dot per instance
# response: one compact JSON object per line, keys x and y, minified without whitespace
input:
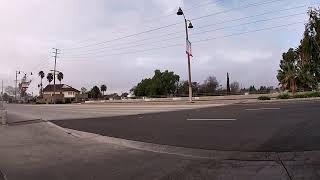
{"x":2,"y":176}
{"x":284,"y":167}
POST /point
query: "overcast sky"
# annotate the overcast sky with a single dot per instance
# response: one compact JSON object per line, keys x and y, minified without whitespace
{"x":86,"y":32}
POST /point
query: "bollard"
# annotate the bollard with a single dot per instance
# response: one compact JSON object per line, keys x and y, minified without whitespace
{"x":3,"y":117}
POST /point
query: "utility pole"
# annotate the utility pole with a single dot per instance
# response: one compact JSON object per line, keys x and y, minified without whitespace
{"x":1,"y":95}
{"x":15,"y":89}
{"x":54,"y":73}
{"x":228,"y":84}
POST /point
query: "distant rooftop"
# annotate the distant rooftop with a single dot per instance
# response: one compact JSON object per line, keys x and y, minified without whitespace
{"x":59,"y":87}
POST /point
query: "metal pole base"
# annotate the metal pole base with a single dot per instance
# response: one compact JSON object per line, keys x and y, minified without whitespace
{"x":4,"y":116}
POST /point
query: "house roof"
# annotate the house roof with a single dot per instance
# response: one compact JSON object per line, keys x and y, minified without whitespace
{"x":59,"y":87}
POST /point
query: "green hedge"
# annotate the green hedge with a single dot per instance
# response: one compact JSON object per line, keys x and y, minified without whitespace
{"x":299,"y":95}
{"x":284,"y":96}
{"x":263,"y":98}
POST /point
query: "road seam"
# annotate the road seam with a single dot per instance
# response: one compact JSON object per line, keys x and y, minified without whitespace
{"x":2,"y":175}
{"x":284,"y":167}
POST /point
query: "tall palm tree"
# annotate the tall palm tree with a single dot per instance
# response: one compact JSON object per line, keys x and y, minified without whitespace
{"x":41,"y":74}
{"x":49,"y":77}
{"x":60,"y":76}
{"x":103,"y":88}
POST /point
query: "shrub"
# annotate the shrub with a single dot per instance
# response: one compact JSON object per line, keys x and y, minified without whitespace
{"x":301,"y":95}
{"x":263,"y":98}
{"x":314,"y":94}
{"x":284,"y":96}
{"x":307,"y":95}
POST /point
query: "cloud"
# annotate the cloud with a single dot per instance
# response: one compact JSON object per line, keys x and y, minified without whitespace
{"x":244,"y":56}
{"x":30,"y":29}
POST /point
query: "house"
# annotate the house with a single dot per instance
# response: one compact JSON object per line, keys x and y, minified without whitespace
{"x":63,"y":93}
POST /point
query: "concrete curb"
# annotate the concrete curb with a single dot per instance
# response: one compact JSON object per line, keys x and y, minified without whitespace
{"x":174,"y":150}
{"x":191,"y":152}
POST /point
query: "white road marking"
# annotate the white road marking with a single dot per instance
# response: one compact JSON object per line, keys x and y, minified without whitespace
{"x":211,"y":119}
{"x":258,"y":109}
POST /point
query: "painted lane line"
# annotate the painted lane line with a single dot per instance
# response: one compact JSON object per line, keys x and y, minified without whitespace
{"x":211,"y":119}
{"x":270,"y":108}
{"x":258,"y":109}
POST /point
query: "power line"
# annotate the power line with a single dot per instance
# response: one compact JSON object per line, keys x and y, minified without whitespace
{"x":174,"y":24}
{"x":200,"y":27}
{"x":195,"y":42}
{"x":198,"y":33}
{"x":247,"y":32}
{"x":195,"y":5}
{"x":236,"y":8}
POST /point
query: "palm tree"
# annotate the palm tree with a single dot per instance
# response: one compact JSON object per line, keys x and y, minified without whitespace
{"x":103,"y":88}
{"x":49,"y":77}
{"x":41,"y":74}
{"x":60,"y":76}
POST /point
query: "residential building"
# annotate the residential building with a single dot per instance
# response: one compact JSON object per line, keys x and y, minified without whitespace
{"x":63,"y":93}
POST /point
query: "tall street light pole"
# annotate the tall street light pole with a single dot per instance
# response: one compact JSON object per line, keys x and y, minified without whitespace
{"x":15,"y":89}
{"x":54,"y":74}
{"x":188,"y":51}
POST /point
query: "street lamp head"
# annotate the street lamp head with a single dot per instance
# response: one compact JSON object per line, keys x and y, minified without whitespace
{"x":180,"y":12}
{"x":190,"y":26}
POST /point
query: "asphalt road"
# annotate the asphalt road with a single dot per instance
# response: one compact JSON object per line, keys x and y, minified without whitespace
{"x":276,"y":127}
{"x":22,"y":112}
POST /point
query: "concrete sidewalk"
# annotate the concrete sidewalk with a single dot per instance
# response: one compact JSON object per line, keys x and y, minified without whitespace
{"x":43,"y":151}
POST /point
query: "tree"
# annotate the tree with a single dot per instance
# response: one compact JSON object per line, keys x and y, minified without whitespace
{"x":95,"y":93}
{"x":300,"y":67}
{"x":124,"y":95}
{"x":234,"y":87}
{"x":252,"y":89}
{"x":161,"y":84}
{"x":228,"y":84}
{"x":288,"y":73}
{"x":309,"y":50}
{"x":209,"y":86}
{"x":103,"y":88}
{"x":10,"y":90}
{"x":42,"y":75}
{"x":183,"y":88}
{"x":60,"y":76}
{"x":83,"y":90}
{"x":49,"y":77}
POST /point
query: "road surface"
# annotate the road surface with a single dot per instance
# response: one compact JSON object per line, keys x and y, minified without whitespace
{"x":276,"y":127}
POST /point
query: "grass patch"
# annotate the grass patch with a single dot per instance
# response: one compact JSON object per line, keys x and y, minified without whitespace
{"x":283,"y":96}
{"x":264,"y":98}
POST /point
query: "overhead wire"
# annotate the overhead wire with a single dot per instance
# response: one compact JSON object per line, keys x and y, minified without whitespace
{"x":195,"y":5}
{"x":195,"y":42}
{"x":197,"y":33}
{"x":200,"y":27}
{"x":174,"y":24}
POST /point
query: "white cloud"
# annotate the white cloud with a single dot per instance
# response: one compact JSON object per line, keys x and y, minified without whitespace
{"x":29,"y":29}
{"x":243,"y":56}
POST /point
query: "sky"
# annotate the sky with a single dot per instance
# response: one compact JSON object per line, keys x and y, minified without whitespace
{"x":120,"y":42}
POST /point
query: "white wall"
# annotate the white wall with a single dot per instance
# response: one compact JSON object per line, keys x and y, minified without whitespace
{"x":69,"y":94}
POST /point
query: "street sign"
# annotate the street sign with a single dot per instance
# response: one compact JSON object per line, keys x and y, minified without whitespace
{"x":188,"y":48}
